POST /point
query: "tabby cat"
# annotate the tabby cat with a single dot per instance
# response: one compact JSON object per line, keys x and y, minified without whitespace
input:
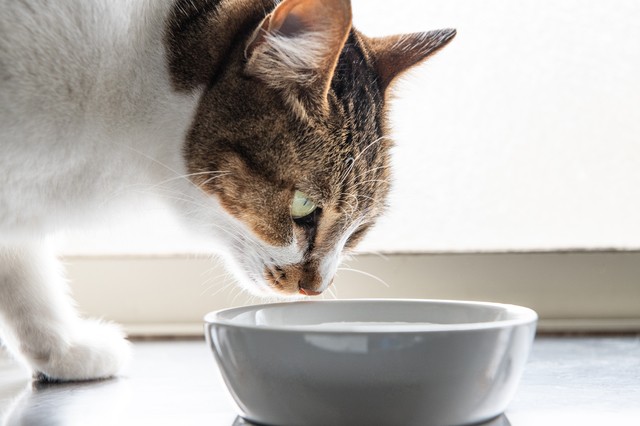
{"x":260,"y":124}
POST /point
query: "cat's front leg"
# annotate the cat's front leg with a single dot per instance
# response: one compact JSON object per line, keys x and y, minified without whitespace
{"x":38,"y":321}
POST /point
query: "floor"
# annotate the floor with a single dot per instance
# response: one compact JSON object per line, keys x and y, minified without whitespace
{"x":568,"y":381}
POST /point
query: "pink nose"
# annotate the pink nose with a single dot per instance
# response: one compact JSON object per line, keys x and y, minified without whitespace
{"x":307,"y":292}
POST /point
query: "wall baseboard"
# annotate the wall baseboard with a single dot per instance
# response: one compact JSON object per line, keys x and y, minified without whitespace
{"x":571,"y":291}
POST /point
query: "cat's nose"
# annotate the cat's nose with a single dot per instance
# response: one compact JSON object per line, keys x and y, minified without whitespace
{"x":308,"y":292}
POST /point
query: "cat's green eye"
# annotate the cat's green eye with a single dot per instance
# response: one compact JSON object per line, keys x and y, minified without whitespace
{"x":301,"y":205}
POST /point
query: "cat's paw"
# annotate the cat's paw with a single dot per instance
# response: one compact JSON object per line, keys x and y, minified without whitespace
{"x":96,"y":351}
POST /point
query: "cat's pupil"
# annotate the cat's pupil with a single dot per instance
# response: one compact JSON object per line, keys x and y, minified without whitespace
{"x":309,"y":220}
{"x":301,"y":205}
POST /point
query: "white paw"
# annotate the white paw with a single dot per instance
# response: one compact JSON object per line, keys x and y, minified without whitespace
{"x":95,"y":351}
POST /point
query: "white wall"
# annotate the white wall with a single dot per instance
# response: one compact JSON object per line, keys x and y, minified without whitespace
{"x":524,"y":133}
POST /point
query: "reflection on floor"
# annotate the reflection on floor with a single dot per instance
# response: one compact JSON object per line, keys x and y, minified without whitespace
{"x":568,"y":381}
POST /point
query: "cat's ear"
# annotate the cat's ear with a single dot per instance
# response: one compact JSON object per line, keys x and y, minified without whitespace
{"x":297,"y":46}
{"x":395,"y":54}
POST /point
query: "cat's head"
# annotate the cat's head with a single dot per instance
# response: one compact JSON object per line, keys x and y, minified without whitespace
{"x":295,"y":122}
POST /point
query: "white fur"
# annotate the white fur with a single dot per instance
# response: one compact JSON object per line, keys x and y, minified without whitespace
{"x":286,"y":61}
{"x":331,"y":261}
{"x":43,"y":329}
{"x":86,"y":111}
{"x":89,"y":122}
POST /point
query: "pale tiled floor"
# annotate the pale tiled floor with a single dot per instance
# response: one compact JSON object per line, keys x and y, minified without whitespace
{"x":568,"y":381}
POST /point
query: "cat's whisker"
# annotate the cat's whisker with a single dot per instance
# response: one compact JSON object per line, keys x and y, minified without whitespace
{"x":231,"y":293}
{"x":344,"y":196}
{"x":186,"y":176}
{"x":346,"y":214}
{"x":158,"y":162}
{"x":208,"y":288}
{"x":237,"y":291}
{"x":371,"y":181}
{"x":181,"y":197}
{"x":380,"y":280}
{"x":357,"y":157}
{"x":353,"y":206}
{"x":374,"y":169}
{"x":243,"y":238}
{"x":209,"y":279}
{"x":380,"y":255}
{"x":216,"y":282}
{"x":345,"y":174}
{"x":381,"y":138}
{"x":144,"y":189}
{"x":207,"y":271}
{"x":347,"y":256}
{"x":366,"y":197}
{"x":138,"y":188}
{"x":184,"y":200}
{"x":211,"y":179}
{"x":153,"y":188}
{"x":148,"y":157}
{"x":223,"y":288}
{"x":331,"y":292}
{"x":350,"y":210}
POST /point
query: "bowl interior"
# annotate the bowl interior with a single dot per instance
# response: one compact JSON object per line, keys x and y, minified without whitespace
{"x":374,"y":315}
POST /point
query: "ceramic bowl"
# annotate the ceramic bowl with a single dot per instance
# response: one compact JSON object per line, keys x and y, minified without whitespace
{"x":371,"y":362}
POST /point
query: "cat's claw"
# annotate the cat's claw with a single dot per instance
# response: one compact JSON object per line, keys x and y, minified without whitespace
{"x":100,"y":351}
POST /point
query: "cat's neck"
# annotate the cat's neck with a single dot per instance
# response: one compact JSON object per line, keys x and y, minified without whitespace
{"x":201,"y":33}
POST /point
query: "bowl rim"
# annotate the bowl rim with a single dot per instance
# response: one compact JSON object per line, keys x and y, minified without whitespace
{"x":524,"y":316}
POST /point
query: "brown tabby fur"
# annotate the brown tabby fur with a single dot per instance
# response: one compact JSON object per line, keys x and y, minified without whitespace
{"x":329,"y":142}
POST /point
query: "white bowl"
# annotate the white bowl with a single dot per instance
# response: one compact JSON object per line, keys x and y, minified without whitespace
{"x":371,"y":362}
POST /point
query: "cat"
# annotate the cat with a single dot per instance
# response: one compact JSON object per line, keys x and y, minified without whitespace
{"x":260,"y":124}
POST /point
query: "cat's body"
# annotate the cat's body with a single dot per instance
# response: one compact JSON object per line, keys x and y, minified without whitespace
{"x":85,"y":92}
{"x":222,"y":109}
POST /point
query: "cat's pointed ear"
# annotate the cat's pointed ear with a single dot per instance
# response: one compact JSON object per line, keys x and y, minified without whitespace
{"x":395,"y":54}
{"x":297,"y":46}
